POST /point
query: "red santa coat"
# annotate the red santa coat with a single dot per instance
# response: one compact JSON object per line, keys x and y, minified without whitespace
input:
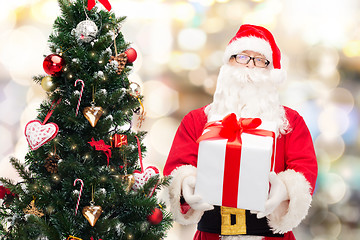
{"x":295,"y":162}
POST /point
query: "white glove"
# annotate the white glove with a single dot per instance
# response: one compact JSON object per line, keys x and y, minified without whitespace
{"x":278,"y":194}
{"x":195,"y":201}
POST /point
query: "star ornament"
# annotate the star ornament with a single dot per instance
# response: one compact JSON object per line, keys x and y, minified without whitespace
{"x":101,"y":146}
{"x":31,"y":209}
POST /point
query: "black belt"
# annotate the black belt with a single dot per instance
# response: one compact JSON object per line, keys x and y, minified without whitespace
{"x":211,"y":222}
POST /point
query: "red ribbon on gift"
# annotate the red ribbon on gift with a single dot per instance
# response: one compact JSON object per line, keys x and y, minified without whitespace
{"x":118,"y":140}
{"x":230,"y":128}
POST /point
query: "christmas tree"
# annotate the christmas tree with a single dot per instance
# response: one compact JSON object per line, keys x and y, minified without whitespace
{"x":83,"y":177}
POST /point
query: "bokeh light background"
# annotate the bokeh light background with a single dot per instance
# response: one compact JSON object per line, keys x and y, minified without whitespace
{"x":180,"y":46}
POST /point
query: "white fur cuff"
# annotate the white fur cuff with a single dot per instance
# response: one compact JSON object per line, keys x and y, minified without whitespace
{"x":178,"y":175}
{"x":290,"y":213}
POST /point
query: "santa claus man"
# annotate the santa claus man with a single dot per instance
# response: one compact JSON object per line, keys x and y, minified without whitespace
{"x":247,"y":86}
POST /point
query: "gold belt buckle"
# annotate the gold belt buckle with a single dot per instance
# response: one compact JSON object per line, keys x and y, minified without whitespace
{"x":240,"y":224}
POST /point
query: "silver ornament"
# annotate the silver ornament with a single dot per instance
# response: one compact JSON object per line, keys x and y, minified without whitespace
{"x":86,"y":31}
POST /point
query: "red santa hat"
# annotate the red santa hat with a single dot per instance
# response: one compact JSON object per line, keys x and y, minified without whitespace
{"x":257,"y":39}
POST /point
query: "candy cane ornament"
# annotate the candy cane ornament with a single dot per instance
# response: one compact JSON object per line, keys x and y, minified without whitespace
{"x":82,"y":89}
{"x":81,"y":188}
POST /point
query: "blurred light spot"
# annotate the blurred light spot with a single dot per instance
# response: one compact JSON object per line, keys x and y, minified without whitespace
{"x":198,"y":76}
{"x":214,"y":61}
{"x":343,"y":98}
{"x":7,"y":19}
{"x":5,"y":139}
{"x":185,"y":61}
{"x":350,"y":214}
{"x":222,"y":1}
{"x":35,"y":93}
{"x":297,"y":93}
{"x":183,"y":11}
{"x":166,"y":128}
{"x":334,"y":187}
{"x":46,"y":11}
{"x":264,"y":13}
{"x":210,"y":84}
{"x":204,"y":2}
{"x":323,"y":60}
{"x":348,"y":168}
{"x":333,"y":121}
{"x":213,"y":25}
{"x":326,"y":228}
{"x":233,"y":11}
{"x":160,"y":100}
{"x":191,"y":39}
{"x":30,"y":112}
{"x":13,"y":104}
{"x":155,"y":41}
{"x":352,"y":49}
{"x":20,"y":53}
{"x":332,"y":148}
{"x":7,"y":170}
{"x":140,"y":9}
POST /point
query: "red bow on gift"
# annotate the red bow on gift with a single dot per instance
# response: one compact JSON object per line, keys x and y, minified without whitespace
{"x":230,"y":128}
{"x":91,"y":4}
{"x":101,"y":146}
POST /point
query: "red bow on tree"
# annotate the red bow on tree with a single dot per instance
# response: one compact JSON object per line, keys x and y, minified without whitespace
{"x":101,"y":146}
{"x":93,"y":238}
{"x":4,"y":192}
{"x":91,"y":4}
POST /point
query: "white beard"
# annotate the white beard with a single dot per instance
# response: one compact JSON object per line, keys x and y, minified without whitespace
{"x":247,"y":92}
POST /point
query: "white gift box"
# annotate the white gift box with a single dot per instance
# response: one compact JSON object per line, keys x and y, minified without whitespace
{"x":255,"y":166}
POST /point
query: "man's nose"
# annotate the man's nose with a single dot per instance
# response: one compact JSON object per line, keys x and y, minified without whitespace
{"x":250,"y":64}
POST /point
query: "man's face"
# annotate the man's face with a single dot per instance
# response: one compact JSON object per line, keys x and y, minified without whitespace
{"x":249,"y":59}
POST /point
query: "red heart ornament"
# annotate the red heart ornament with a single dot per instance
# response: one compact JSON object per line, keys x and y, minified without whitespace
{"x":142,"y":177}
{"x":37,"y":134}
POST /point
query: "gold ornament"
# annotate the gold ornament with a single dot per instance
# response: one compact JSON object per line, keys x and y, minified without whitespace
{"x":31,"y":209}
{"x":93,"y":114}
{"x":73,"y":238}
{"x":128,"y":180}
{"x":47,"y":84}
{"x":92,"y":213}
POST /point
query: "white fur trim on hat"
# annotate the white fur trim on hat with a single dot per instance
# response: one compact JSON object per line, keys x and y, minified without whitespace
{"x":178,"y":175}
{"x":250,"y":43}
{"x":290,"y":213}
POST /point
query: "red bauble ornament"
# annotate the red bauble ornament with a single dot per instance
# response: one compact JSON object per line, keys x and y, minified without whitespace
{"x":53,"y":64}
{"x":155,"y":217}
{"x":131,"y":55}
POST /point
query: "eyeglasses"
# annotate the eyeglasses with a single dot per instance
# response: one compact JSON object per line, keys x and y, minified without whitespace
{"x":245,"y":59}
